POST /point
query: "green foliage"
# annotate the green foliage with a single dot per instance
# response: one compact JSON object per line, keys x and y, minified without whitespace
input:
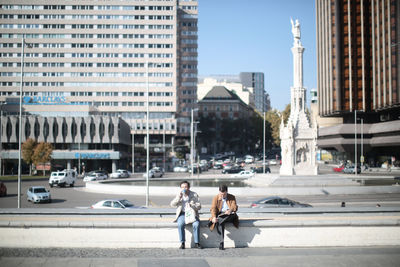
{"x":274,"y":120}
{"x":28,"y":148}
{"x":42,"y":153}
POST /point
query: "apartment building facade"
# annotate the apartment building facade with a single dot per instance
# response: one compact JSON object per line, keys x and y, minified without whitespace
{"x":359,"y":76}
{"x":101,"y":58}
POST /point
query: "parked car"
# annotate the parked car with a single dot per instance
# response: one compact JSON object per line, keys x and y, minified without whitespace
{"x":3,"y":189}
{"x":243,"y":174}
{"x":38,"y":194}
{"x":120,"y":174}
{"x":350,"y":169}
{"x":181,"y":169}
{"x":260,"y":169}
{"x":63,"y":178}
{"x":272,"y":162}
{"x":339,"y":168}
{"x":249,"y":159}
{"x":277,"y":202}
{"x":95,"y":176}
{"x":233,"y":170}
{"x":154,"y":173}
{"x":114,"y":204}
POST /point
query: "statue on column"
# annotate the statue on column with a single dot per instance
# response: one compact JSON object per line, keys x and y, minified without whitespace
{"x":296,"y":29}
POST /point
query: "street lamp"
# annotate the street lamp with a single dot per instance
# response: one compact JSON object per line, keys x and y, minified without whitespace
{"x":147,"y":135}
{"x":192,"y":139}
{"x":1,"y":137}
{"x":264,"y":144}
{"x":355,"y":141}
{"x":20,"y":118}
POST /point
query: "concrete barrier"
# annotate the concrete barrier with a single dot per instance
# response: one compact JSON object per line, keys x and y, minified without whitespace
{"x":140,"y":231}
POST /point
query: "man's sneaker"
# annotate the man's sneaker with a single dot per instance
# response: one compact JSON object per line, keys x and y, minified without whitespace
{"x":182,"y":246}
{"x":197,"y":245}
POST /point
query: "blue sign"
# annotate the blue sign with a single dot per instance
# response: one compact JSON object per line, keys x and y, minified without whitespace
{"x":92,"y":155}
{"x":48,"y":100}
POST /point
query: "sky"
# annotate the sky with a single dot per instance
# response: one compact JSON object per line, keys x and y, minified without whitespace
{"x":256,"y":36}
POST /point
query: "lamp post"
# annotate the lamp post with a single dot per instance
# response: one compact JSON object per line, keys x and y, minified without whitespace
{"x":164,"y":144}
{"x":355,"y":142}
{"x":192,"y":140}
{"x":133,"y":153}
{"x":147,"y":134}
{"x":264,"y":144}
{"x":362,"y":143}
{"x":1,"y":138}
{"x":20,"y":120}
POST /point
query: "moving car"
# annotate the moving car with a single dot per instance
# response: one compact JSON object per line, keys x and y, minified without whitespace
{"x":277,"y":202}
{"x":114,"y":204}
{"x":120,"y":174}
{"x":243,"y":174}
{"x":3,"y":189}
{"x":181,"y":169}
{"x":234,"y":169}
{"x":350,"y":169}
{"x":260,"y":169}
{"x":95,"y":176}
{"x":339,"y":168}
{"x":154,"y":173}
{"x":63,"y":178}
{"x":38,"y":194}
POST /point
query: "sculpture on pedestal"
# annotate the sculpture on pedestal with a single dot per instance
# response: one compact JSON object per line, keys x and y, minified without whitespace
{"x":298,"y":137}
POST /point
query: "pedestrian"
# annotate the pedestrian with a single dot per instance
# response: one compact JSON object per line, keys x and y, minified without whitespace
{"x":183,"y":201}
{"x":223,"y":210}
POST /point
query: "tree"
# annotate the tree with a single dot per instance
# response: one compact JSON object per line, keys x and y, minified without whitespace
{"x":28,"y":148}
{"x":42,"y":154}
{"x":273,"y":118}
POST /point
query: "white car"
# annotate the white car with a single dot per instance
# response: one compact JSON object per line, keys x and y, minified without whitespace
{"x":181,"y":169}
{"x":114,"y":204}
{"x":120,"y":174}
{"x":63,"y":178}
{"x":95,"y":175}
{"x":243,"y":174}
{"x":154,"y":173}
{"x":38,"y":194}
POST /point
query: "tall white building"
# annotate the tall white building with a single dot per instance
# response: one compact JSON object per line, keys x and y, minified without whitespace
{"x":99,"y":58}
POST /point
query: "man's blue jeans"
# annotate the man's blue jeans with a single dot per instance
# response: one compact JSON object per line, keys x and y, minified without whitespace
{"x":181,"y":229}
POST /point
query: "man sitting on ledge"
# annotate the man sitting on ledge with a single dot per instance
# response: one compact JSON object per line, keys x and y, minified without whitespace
{"x":223,"y":210}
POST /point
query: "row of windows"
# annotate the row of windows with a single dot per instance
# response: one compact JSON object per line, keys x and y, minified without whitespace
{"x":85,"y":7}
{"x":89,"y":36}
{"x":86,"y":74}
{"x":86,"y":45}
{"x":88,"y":64}
{"x":87,"y":26}
{"x":86,"y":93}
{"x":129,"y":104}
{"x":90,"y":84}
{"x":88,"y":55}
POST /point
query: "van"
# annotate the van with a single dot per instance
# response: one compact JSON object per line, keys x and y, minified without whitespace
{"x":63,"y":178}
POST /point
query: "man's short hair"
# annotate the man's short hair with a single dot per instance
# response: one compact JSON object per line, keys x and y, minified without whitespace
{"x":185,"y":182}
{"x":223,"y":188}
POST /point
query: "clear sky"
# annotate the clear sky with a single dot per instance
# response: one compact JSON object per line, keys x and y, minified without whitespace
{"x":255,"y":36}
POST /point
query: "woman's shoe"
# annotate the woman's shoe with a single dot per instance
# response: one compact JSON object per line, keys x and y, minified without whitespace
{"x":221,"y":246}
{"x":182,"y":246}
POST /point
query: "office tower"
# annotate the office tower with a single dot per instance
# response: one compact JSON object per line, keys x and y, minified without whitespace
{"x":255,"y":80}
{"x":359,"y":75}
{"x":99,"y":58}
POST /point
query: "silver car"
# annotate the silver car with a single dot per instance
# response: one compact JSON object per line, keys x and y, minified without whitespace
{"x":277,"y":202}
{"x":114,"y":204}
{"x":38,"y":194}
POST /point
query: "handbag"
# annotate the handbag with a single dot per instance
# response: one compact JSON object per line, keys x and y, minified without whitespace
{"x":190,"y":215}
